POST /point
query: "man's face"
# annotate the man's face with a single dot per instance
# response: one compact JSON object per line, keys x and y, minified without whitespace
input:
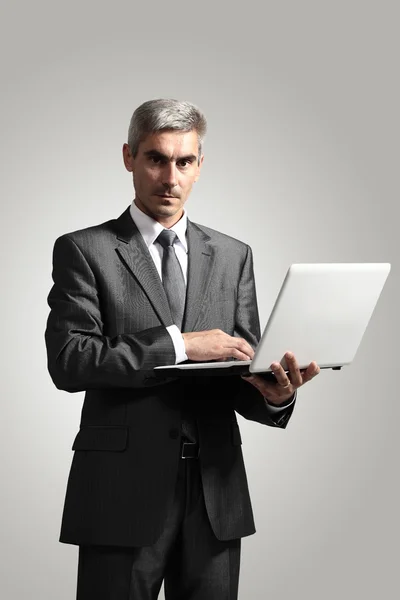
{"x":164,"y":170}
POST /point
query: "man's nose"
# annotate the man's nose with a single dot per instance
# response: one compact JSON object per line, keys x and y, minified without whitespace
{"x":169,"y":176}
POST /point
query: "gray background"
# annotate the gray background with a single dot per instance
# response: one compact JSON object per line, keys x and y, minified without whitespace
{"x":302,"y":162}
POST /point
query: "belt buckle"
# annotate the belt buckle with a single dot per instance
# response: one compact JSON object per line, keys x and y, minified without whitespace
{"x":190,"y":444}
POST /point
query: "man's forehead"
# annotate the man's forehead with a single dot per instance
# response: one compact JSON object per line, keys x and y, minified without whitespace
{"x":171,"y":142}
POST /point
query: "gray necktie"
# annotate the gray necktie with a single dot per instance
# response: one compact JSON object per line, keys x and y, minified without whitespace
{"x":172,"y":276}
{"x":175,"y":289}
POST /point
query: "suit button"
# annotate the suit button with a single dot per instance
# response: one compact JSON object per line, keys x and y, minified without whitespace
{"x":174,"y":433}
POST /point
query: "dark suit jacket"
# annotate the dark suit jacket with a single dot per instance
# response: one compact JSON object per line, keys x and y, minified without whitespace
{"x":106,"y":331}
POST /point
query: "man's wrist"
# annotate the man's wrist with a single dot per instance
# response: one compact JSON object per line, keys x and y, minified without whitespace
{"x":282,"y":405}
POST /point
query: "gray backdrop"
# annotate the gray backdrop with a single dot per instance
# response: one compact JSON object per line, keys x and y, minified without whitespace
{"x":301,"y":162}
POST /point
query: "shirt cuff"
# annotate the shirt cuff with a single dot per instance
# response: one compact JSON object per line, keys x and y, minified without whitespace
{"x":179,"y":344}
{"x":274,"y":408}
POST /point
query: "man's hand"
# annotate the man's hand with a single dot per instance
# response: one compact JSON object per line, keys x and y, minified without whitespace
{"x":286,"y":384}
{"x":214,"y":344}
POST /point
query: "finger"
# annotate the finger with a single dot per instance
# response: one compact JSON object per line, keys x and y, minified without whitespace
{"x":241,"y":345}
{"x":280,"y":375}
{"x":293,"y":366}
{"x":311,"y":372}
{"x":233,"y":353}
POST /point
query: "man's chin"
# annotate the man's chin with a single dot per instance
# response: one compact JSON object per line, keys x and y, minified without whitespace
{"x":161,"y":208}
{"x":168,"y":208}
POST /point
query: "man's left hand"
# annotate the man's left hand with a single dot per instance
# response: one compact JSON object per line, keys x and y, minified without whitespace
{"x":286,"y":383}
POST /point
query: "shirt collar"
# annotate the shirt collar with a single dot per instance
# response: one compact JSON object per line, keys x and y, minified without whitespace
{"x":150,"y":229}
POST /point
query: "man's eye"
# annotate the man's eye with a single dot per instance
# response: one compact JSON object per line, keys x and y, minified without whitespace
{"x":184,"y":163}
{"x":155,"y":159}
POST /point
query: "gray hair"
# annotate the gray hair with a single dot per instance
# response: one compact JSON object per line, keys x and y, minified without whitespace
{"x":164,"y":114}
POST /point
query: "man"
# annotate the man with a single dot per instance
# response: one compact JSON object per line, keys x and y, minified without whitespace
{"x":157,"y":488}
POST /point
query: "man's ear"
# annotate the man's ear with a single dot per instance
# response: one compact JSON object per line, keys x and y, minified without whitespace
{"x":199,"y":167}
{"x":128,"y":158}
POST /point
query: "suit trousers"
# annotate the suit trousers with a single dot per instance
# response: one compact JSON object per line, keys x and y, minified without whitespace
{"x":191,"y":561}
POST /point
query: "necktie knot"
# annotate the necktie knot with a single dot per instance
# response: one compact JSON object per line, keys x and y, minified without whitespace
{"x":167,"y":238}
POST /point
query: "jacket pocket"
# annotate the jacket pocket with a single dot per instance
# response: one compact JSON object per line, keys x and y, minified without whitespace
{"x":236,"y":437}
{"x":109,"y":438}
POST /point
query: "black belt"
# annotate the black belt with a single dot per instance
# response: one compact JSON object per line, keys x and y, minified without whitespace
{"x":190,"y":450}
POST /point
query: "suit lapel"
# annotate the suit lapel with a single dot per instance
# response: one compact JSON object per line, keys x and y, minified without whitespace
{"x":201,"y":259}
{"x":135,"y":255}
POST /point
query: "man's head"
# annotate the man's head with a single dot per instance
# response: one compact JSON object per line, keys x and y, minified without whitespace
{"x":164,"y":154}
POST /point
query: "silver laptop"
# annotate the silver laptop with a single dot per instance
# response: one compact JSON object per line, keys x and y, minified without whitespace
{"x":321,"y":314}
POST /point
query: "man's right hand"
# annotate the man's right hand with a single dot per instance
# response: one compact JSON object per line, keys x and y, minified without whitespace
{"x":214,"y":344}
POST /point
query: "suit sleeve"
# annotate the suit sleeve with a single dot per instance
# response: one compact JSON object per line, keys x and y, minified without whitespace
{"x":79,"y":355}
{"x":248,"y":401}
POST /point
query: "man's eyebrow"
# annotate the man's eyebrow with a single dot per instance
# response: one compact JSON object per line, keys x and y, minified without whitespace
{"x":188,"y":157}
{"x":157,"y":154}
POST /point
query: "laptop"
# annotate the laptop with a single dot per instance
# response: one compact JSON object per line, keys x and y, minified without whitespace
{"x":320,"y":314}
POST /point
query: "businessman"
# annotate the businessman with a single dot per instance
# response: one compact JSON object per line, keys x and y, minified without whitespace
{"x":157,"y":489}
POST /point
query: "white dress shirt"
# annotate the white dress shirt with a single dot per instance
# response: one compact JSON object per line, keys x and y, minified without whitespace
{"x":150,"y":230}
